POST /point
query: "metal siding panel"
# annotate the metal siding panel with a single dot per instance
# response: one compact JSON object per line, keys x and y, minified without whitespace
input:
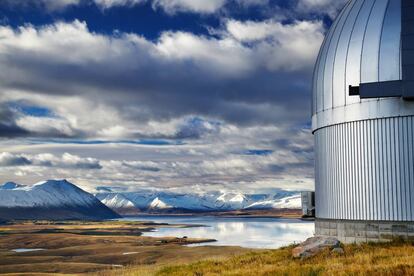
{"x":404,"y":180}
{"x":364,"y":170}
{"x":354,"y":194}
{"x":381,"y":171}
{"x":356,"y":171}
{"x":363,"y":182}
{"x":368,"y":172}
{"x":337,"y":167}
{"x":386,"y":192}
{"x":388,"y":168}
{"x":345,"y":184}
{"x":341,"y":166}
{"x":375,"y":180}
{"x":359,"y":171}
{"x":394,"y":168}
{"x":318,"y":183}
{"x":400,"y":172}
{"x":411,"y":164}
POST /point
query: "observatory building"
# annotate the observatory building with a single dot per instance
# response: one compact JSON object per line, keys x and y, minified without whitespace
{"x":363,"y":123}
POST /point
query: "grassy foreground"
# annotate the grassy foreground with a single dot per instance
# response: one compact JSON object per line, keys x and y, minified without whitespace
{"x":367,"y":259}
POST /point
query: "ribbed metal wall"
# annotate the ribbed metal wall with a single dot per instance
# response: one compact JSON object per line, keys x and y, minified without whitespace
{"x":365,"y":170}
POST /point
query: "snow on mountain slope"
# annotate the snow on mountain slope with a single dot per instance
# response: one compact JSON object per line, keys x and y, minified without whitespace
{"x":159,"y":204}
{"x":52,"y":199}
{"x":120,"y":204}
{"x":117,"y":201}
{"x":211,"y":201}
{"x":290,"y":202}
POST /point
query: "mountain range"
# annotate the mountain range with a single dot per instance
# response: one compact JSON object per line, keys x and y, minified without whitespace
{"x":61,"y":200}
{"x":52,"y":200}
{"x":130,"y":203}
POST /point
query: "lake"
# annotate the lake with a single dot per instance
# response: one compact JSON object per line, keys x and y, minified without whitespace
{"x":245,"y":232}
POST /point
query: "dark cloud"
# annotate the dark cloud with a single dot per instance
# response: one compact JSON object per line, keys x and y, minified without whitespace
{"x":8,"y":127}
{"x":8,"y":160}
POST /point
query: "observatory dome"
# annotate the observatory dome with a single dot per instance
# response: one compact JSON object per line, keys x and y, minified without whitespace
{"x":363,"y":46}
{"x":363,"y":123}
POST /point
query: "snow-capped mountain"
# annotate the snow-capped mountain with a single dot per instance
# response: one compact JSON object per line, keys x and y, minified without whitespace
{"x":158,"y":204}
{"x":52,"y":199}
{"x":149,"y":201}
{"x":10,"y":186}
{"x":120,"y":205}
{"x":290,"y":202}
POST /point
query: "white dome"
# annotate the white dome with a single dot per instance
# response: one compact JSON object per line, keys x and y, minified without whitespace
{"x":363,"y":45}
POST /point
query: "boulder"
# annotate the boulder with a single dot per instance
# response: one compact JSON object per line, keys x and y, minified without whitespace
{"x":314,"y":245}
{"x":338,"y":251}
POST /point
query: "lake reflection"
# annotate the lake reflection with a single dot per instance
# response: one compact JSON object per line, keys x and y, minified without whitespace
{"x":245,"y":232}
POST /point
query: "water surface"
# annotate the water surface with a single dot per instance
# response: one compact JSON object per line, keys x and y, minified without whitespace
{"x":245,"y":232}
{"x":22,"y":250}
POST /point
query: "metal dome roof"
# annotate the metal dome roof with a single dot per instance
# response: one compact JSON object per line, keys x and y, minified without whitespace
{"x":362,"y":46}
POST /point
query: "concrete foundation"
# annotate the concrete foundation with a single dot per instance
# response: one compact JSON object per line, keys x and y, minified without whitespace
{"x":348,"y":231}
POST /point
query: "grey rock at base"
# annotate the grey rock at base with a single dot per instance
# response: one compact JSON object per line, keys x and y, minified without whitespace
{"x":338,"y":250}
{"x":314,"y":245}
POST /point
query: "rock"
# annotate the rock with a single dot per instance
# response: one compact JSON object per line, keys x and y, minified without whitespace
{"x":313,"y":246}
{"x":338,"y":250}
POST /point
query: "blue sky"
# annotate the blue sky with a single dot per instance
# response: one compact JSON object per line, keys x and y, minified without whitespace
{"x":212,"y":95}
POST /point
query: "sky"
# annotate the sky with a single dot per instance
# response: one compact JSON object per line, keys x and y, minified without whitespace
{"x":178,"y":95}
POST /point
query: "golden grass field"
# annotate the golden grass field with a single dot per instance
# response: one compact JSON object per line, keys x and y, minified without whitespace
{"x":86,"y":247}
{"x":366,"y":259}
{"x":97,"y":248}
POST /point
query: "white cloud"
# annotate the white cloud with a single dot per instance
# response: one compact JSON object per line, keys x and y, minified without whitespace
{"x":279,"y":44}
{"x":47,"y":161}
{"x":246,"y":83}
{"x":50,"y":5}
{"x":330,"y":7}
{"x":41,"y":125}
{"x":76,"y":73}
{"x":106,"y":4}
{"x":7,"y":159}
{"x":212,"y":163}
{"x":196,"y":6}
{"x":168,"y":6}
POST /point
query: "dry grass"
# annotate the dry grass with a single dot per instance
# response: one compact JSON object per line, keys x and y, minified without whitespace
{"x":366,"y":259}
{"x":86,"y":247}
{"x":76,"y":251}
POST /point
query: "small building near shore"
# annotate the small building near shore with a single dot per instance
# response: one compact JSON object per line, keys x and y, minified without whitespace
{"x":363,"y":123}
{"x":308,"y":204}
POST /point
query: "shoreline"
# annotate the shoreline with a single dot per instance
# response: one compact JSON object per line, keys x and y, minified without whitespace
{"x":273,"y":213}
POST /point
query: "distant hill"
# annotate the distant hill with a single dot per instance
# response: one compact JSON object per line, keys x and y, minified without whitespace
{"x":52,"y":199}
{"x":129,"y":203}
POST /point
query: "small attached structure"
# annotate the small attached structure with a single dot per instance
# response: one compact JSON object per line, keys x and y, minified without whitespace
{"x":308,"y":204}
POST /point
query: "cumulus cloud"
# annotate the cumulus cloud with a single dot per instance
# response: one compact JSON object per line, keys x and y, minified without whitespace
{"x":66,"y":160}
{"x":8,"y":159}
{"x":217,"y":162}
{"x":219,"y":110}
{"x":51,"y":5}
{"x":169,"y":6}
{"x":330,"y":7}
{"x":197,"y":6}
{"x":106,"y":4}
{"x":75,"y":73}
